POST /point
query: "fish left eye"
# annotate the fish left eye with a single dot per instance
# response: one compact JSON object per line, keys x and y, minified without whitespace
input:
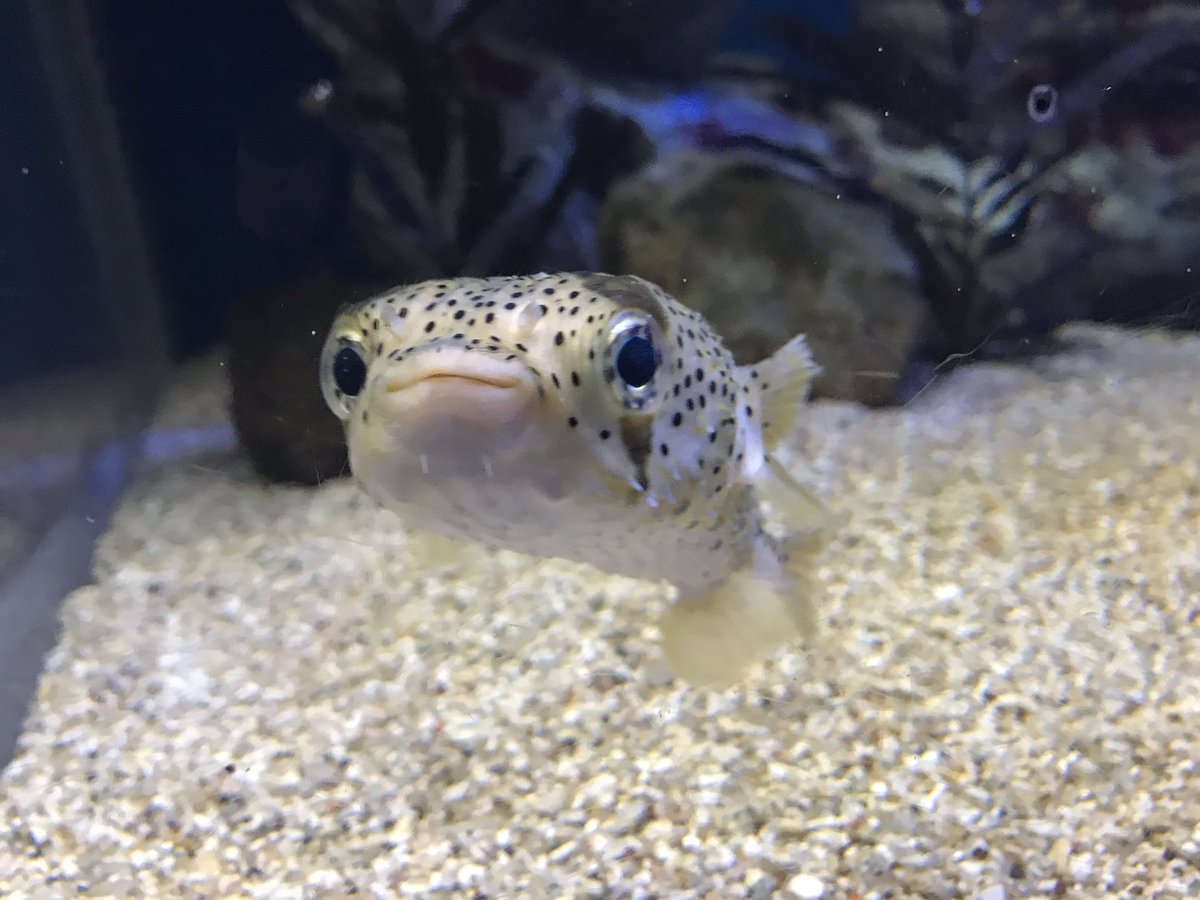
{"x":634,"y":358}
{"x":637,"y":360}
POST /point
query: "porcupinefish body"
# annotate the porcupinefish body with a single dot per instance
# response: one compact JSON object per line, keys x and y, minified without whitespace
{"x":589,"y":417}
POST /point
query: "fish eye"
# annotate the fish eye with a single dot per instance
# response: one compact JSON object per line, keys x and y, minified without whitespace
{"x":343,"y":374}
{"x":349,"y":371}
{"x":634,"y":359}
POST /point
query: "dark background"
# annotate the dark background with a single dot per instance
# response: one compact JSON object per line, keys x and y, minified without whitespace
{"x":191,"y":80}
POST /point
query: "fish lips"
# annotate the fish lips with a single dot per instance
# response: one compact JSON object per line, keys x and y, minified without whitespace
{"x":445,"y":417}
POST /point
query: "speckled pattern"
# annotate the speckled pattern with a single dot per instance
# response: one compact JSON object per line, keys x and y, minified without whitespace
{"x":277,"y":693}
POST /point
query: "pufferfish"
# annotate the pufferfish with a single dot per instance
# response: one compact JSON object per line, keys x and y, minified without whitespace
{"x":589,"y":417}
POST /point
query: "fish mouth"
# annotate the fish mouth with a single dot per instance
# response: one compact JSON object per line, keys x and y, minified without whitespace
{"x":395,"y":385}
{"x":456,"y":370}
{"x":447,"y":402}
{"x":442,"y":418}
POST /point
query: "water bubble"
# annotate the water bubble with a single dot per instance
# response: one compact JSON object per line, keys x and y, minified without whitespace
{"x":1042,"y":102}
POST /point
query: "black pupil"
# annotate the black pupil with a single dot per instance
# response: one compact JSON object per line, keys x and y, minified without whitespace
{"x":636,"y":361}
{"x":349,"y":371}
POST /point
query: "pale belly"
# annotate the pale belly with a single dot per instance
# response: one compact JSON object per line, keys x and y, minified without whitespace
{"x":693,"y":551}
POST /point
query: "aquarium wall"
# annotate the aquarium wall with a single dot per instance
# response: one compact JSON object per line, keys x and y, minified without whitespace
{"x":914,"y":282}
{"x":82,"y":353}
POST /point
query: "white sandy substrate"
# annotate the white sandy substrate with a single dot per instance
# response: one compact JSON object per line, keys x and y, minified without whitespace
{"x":277,"y":693}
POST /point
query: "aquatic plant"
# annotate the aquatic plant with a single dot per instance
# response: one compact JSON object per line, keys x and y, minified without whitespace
{"x":478,"y":146}
{"x":1017,"y":146}
{"x":1017,"y":143}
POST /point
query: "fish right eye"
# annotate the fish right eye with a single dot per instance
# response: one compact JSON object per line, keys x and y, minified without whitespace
{"x":349,"y":371}
{"x":343,"y":374}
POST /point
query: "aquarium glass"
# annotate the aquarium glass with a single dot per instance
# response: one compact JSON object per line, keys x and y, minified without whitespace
{"x":581,"y":448}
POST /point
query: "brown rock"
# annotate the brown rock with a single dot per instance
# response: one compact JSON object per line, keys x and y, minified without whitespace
{"x":766,"y":257}
{"x":274,"y":341}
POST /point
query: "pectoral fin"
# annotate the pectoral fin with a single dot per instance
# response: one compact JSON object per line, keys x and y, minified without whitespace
{"x":436,"y":551}
{"x":710,"y":640}
{"x":798,"y":509}
{"x":785,"y":379}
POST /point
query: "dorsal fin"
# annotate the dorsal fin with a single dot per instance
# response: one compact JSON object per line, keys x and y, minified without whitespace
{"x":784,"y":379}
